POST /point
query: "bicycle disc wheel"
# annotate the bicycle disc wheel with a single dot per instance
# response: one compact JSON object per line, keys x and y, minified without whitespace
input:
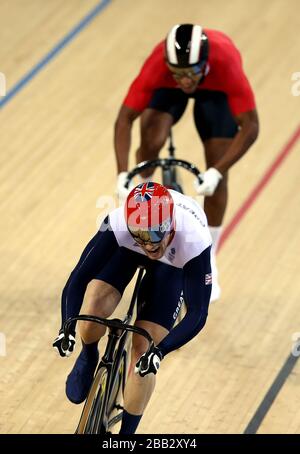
{"x":91,"y":421}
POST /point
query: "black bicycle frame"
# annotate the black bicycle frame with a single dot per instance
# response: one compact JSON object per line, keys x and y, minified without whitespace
{"x":117,"y":338}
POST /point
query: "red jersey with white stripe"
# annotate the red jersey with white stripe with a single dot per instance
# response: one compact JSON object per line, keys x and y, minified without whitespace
{"x":225,"y":74}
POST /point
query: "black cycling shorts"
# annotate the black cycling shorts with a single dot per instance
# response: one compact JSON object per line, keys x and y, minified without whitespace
{"x":212,"y":115}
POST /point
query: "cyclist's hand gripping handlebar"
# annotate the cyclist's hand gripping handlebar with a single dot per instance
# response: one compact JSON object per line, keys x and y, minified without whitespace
{"x":211,"y":179}
{"x":64,"y":344}
{"x":149,"y":362}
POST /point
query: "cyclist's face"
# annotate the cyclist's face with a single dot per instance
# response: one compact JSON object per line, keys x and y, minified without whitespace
{"x":187,"y":85}
{"x":187,"y":78}
{"x":155,"y":251}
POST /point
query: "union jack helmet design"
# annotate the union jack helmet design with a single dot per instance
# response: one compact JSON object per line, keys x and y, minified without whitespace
{"x":144,"y":192}
{"x":149,"y":212}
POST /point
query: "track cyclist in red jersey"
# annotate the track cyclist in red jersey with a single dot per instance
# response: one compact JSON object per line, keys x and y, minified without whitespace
{"x":167,"y":233}
{"x":202,"y":64}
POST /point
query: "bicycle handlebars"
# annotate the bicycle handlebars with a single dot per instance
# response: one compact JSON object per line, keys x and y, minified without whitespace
{"x":165,"y":163}
{"x":110,"y":323}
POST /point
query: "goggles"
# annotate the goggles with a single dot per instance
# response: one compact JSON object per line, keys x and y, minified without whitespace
{"x":153,"y":235}
{"x":192,"y":72}
{"x":145,"y":237}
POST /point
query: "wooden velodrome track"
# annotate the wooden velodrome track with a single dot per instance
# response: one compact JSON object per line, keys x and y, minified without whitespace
{"x":57,"y":159}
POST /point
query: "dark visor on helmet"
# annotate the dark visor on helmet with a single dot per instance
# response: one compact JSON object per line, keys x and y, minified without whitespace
{"x":152,"y":235}
{"x":147,"y":236}
{"x":192,"y":72}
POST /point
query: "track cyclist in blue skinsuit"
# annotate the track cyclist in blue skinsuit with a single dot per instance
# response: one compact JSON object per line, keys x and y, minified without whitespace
{"x":167,"y":233}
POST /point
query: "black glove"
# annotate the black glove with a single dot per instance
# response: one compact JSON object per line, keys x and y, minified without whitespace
{"x":149,"y":362}
{"x":60,"y":341}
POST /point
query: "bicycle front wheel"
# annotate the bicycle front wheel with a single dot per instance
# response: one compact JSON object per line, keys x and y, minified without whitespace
{"x":93,"y":416}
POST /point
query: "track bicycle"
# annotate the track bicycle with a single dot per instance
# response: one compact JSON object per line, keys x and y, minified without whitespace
{"x":103,"y":406}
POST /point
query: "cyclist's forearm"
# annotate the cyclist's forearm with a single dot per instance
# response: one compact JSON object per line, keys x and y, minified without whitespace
{"x":241,"y":143}
{"x":196,"y":291}
{"x":122,"y":136}
{"x":72,"y":298}
{"x":122,"y":146}
{"x":188,"y":328}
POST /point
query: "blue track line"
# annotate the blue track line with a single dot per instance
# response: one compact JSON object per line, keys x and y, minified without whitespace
{"x":54,"y":52}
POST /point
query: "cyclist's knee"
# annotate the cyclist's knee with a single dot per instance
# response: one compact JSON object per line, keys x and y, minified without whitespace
{"x":100,"y":299}
{"x":153,"y":140}
{"x":155,"y":128}
{"x":138,"y":348}
{"x":140,"y":344}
